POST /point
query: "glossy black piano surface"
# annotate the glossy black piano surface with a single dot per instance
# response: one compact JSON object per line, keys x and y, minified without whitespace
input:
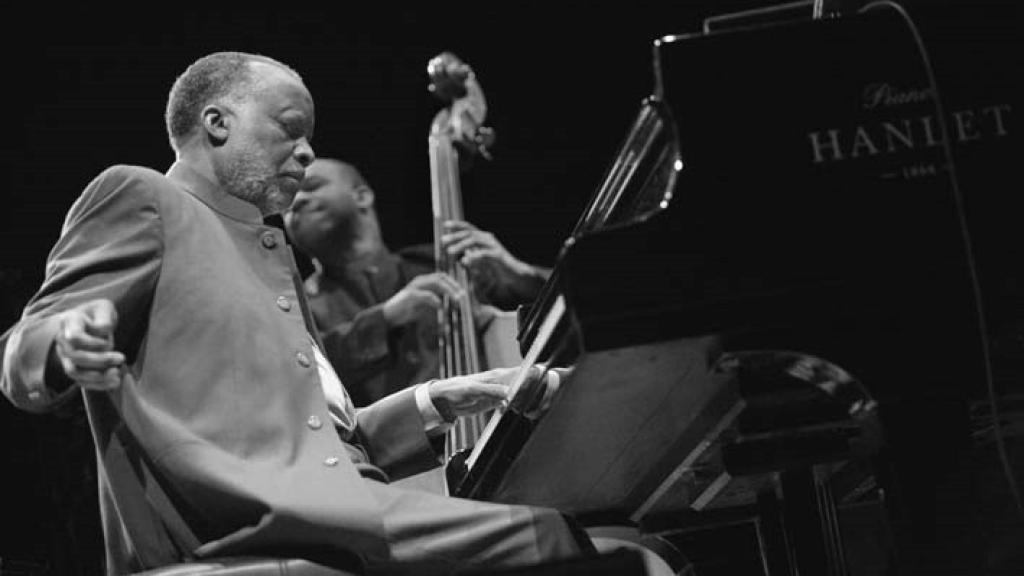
{"x":790,"y":193}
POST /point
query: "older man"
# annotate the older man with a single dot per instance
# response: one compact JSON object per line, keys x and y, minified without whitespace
{"x":221,"y":428}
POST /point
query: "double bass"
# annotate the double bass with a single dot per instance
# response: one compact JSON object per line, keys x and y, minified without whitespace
{"x":457,"y":134}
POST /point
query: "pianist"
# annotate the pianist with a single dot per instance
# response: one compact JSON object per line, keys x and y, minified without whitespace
{"x":176,"y":313}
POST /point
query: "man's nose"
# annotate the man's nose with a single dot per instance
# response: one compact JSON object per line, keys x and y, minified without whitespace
{"x":304,"y":153}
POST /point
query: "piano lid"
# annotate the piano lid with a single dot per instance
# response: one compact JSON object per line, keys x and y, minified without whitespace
{"x":813,"y":173}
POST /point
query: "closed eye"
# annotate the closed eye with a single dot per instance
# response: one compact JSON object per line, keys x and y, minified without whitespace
{"x":295,"y":127}
{"x":292,"y":129}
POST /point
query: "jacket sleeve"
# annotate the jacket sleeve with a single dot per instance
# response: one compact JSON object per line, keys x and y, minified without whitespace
{"x":392,"y":432}
{"x":110,"y":247}
{"x":358,"y":347}
{"x":522,"y":291}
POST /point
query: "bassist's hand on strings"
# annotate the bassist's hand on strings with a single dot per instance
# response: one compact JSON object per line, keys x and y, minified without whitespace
{"x":422,"y":295}
{"x":494,"y":269}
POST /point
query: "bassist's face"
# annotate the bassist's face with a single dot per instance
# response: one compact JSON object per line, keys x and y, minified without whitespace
{"x":326,"y":212}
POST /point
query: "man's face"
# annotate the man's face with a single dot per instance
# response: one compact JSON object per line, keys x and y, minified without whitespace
{"x":324,"y":210}
{"x":264,"y":158}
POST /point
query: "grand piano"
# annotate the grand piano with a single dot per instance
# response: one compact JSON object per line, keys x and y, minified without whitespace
{"x":773,"y":277}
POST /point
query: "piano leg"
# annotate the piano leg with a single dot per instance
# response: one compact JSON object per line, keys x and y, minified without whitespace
{"x":771,"y":536}
{"x":803,"y":518}
{"x":799,"y":534}
{"x":661,"y":558}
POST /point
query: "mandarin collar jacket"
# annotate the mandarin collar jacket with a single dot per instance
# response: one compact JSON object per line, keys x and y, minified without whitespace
{"x":218,"y":440}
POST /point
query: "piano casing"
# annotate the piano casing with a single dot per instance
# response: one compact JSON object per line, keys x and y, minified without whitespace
{"x":794,"y":193}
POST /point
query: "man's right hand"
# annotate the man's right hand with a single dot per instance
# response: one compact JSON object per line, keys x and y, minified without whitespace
{"x":422,"y":294}
{"x":85,"y":345}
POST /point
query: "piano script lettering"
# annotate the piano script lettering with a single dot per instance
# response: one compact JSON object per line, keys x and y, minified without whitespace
{"x":885,"y":94}
{"x":895,"y":136}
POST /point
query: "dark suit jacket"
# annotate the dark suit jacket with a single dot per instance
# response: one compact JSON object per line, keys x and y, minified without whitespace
{"x":347,"y":304}
{"x":218,"y":441}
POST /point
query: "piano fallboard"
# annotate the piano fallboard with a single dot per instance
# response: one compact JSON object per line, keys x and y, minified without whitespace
{"x":624,"y":416}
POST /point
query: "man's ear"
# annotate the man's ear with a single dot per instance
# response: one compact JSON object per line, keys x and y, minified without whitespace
{"x":364,"y":196}
{"x":216,"y":123}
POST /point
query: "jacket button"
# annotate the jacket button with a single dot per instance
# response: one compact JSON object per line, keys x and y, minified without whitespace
{"x":268,"y":240}
{"x":283,"y":303}
{"x":303,"y":360}
{"x":314,"y":422}
{"x":331,"y":462}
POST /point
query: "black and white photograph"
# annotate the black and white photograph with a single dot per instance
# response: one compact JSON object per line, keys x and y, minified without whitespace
{"x":687,"y":288}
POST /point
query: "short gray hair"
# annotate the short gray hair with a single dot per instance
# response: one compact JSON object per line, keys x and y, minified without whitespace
{"x":211,"y":77}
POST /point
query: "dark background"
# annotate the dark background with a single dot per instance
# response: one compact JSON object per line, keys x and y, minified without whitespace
{"x":86,"y":88}
{"x":562,"y":84}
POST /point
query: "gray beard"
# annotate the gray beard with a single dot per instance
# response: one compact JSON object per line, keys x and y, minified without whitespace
{"x":260,"y":192}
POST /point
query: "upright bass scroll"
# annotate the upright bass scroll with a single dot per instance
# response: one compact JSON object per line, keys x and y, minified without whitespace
{"x":452,"y":80}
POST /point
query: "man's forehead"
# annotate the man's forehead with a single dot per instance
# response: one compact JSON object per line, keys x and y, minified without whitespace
{"x":270,"y":70}
{"x":281,"y":85}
